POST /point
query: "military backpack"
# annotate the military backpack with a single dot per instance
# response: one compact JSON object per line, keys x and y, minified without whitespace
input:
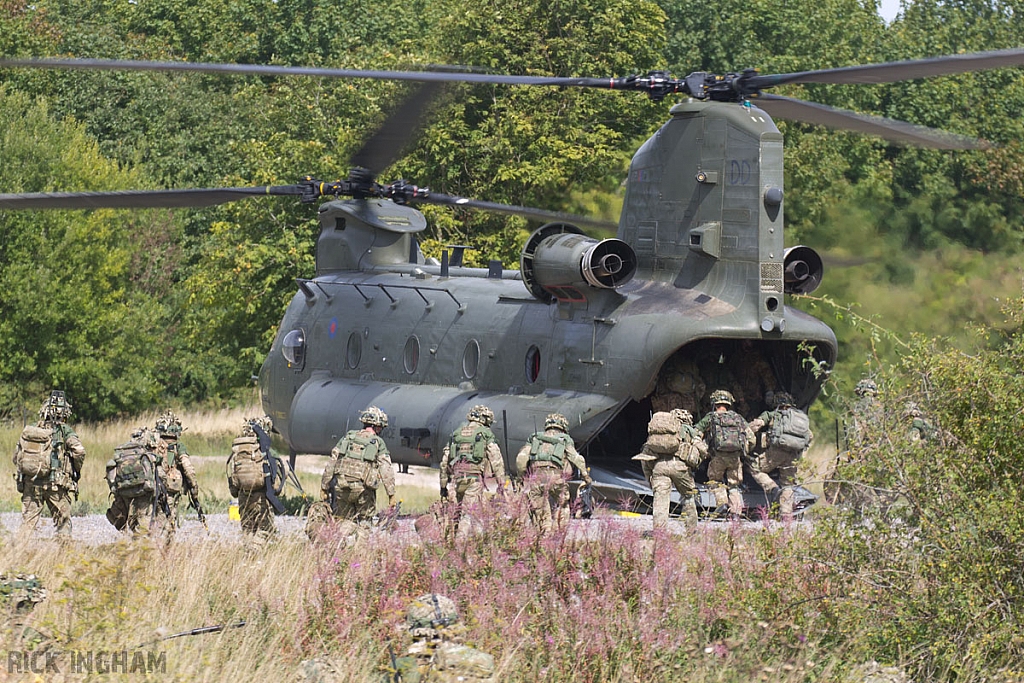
{"x":359,"y":461}
{"x":35,"y":456}
{"x":547,"y":449}
{"x":663,"y":434}
{"x":472,"y":446}
{"x":134,"y":471}
{"x":728,"y":432}
{"x":790,"y":430}
{"x":245,"y":464}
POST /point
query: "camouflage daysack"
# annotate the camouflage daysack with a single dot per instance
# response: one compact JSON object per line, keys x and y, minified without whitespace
{"x":790,"y":430}
{"x":728,"y":432}
{"x":245,"y":464}
{"x":35,"y":448}
{"x":134,"y":471}
{"x":549,"y":450}
{"x":457,"y":662}
{"x":663,"y":434}
{"x":359,"y":461}
{"x":469,"y":444}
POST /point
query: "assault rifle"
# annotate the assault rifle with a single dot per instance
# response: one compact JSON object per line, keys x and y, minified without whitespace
{"x":387,"y":519}
{"x":270,"y":472}
{"x":195,"y":632}
{"x":586,"y":494}
{"x":193,"y":500}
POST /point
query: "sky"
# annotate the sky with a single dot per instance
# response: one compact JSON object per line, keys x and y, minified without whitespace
{"x":888,"y":9}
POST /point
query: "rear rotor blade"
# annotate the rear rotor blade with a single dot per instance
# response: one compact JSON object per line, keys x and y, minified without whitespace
{"x":843,"y":119}
{"x":143,"y":199}
{"x":512,"y":210}
{"x":890,"y":72}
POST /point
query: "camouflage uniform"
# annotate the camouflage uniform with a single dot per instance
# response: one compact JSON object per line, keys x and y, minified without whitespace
{"x":471,"y":454}
{"x":436,"y":654}
{"x":176,"y":473}
{"x":725,"y":467}
{"x":665,"y":470}
{"x":921,"y":430}
{"x":21,"y":592}
{"x":360,"y":462}
{"x":545,"y":463}
{"x":255,"y":509}
{"x":679,"y":384}
{"x":775,"y":458}
{"x":755,"y":381}
{"x":867,"y":412}
{"x":146,"y":512}
{"x":53,"y":486}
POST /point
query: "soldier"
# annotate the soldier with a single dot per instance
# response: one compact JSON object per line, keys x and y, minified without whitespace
{"x":471,"y":454}
{"x":256,"y":478}
{"x":138,"y":503}
{"x":788,"y":435}
{"x":176,"y":473}
{"x":867,"y":412}
{"x":359,"y":464}
{"x":669,"y":457}
{"x":921,"y":430}
{"x":728,"y":439}
{"x":48,"y":462}
{"x":437,"y":654}
{"x":545,"y":463}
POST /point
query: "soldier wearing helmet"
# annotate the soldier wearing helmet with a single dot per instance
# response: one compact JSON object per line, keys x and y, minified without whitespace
{"x":360,"y":463}
{"x":545,"y":465}
{"x":921,"y":429}
{"x":471,"y":454}
{"x":728,"y":439}
{"x":256,"y":478}
{"x":787,"y":436}
{"x":48,"y":463}
{"x":137,"y":504}
{"x":437,"y":652}
{"x":866,"y":413}
{"x":669,"y":457}
{"x":177,"y":475}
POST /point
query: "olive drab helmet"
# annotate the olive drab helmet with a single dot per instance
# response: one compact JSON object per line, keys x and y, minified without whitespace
{"x":56,"y":408}
{"x":721,"y":396}
{"x":556,"y":421}
{"x":784,"y":400}
{"x":168,"y":425}
{"x":682,"y":415}
{"x":481,"y":414}
{"x":430,"y":613}
{"x":374,"y":416}
{"x":866,"y":387}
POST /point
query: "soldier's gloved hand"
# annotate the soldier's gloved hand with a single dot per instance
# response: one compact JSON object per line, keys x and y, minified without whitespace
{"x":392,"y":500}
{"x":587,"y":480}
{"x":324,"y":495}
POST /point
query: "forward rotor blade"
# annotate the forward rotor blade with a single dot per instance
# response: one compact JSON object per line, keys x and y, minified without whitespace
{"x":843,"y":119}
{"x":512,"y":210}
{"x":143,"y":199}
{"x":890,"y":72}
{"x":314,"y":72}
{"x":404,"y":124}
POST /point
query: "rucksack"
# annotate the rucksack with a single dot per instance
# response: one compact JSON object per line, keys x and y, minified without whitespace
{"x":728,"y":431}
{"x":134,"y":471}
{"x":359,"y":461}
{"x":663,"y":434}
{"x":470,"y":447}
{"x":245,"y":464}
{"x":36,"y":450}
{"x":790,"y":430}
{"x":550,"y":449}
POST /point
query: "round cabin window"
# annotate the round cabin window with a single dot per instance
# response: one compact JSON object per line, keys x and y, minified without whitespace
{"x":532,"y":364}
{"x":354,"y":351}
{"x":411,"y":359}
{"x":471,"y":359}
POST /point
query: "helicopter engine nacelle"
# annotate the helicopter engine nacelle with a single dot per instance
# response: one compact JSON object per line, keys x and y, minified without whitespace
{"x":560,"y":262}
{"x":803,"y":270}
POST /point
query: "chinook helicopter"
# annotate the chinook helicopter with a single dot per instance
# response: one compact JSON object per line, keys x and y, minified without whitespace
{"x":688,"y":297}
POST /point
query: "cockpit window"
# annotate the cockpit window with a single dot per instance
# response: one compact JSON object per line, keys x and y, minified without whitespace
{"x":293,"y":348}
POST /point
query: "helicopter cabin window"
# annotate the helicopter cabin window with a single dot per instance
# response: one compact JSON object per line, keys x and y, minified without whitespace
{"x":411,"y":359}
{"x":293,"y":348}
{"x":532,"y":364}
{"x":471,"y":359}
{"x":354,"y":351}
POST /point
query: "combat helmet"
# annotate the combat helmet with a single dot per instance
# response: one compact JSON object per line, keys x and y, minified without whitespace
{"x":866,"y":387}
{"x":374,"y":416}
{"x":911,"y":409}
{"x":429,"y":614}
{"x":721,"y":396}
{"x":556,"y":421}
{"x":682,"y":415}
{"x":784,"y":399}
{"x":168,"y":425}
{"x":56,"y":408}
{"x":481,"y":414}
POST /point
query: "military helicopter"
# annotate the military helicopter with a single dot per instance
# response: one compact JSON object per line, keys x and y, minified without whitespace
{"x":689,"y":297}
